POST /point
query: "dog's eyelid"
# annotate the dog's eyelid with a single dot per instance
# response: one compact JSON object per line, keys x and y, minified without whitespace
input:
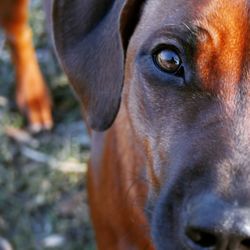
{"x":181,"y":47}
{"x":168,"y":40}
{"x":179,"y":36}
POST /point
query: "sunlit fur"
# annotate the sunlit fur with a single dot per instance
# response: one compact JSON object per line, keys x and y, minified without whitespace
{"x":31,"y":93}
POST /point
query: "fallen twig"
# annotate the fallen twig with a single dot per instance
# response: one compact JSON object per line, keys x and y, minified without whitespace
{"x":66,"y":167}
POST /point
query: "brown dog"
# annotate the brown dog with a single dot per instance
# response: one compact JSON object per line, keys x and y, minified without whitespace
{"x":173,"y":76}
{"x":31,"y":92}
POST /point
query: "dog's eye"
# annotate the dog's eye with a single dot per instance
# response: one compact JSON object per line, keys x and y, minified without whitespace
{"x":167,"y":60}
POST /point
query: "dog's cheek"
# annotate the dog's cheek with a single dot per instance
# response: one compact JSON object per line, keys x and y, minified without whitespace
{"x":140,"y":114}
{"x":132,"y":96}
{"x":154,"y":118}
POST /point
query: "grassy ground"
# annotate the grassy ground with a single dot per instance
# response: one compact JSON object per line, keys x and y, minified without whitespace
{"x":42,"y":178}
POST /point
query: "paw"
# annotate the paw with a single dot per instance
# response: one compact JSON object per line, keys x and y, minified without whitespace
{"x":34,"y":101}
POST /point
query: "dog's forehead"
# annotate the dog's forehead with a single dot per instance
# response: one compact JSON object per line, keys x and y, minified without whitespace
{"x":223,"y":55}
{"x":158,"y":13}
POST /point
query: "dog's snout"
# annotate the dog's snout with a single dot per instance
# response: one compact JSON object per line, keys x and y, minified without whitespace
{"x":217,"y":225}
{"x":210,"y":238}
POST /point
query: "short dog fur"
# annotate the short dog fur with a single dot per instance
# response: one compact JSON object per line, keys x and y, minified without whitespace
{"x":166,"y":84}
{"x":31,"y":92}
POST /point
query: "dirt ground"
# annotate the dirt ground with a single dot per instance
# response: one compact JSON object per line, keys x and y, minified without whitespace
{"x":43,"y":201}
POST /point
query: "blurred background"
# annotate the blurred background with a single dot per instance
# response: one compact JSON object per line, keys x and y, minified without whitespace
{"x":43,"y":203}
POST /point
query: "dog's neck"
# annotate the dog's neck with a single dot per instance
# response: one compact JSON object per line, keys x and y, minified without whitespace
{"x":115,"y":156}
{"x":117,"y":146}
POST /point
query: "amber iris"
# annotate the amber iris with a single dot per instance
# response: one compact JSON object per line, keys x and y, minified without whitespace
{"x":168,"y":60}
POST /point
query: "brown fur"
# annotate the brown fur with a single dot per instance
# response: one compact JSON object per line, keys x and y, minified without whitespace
{"x":31,"y":92}
{"x":176,"y":158}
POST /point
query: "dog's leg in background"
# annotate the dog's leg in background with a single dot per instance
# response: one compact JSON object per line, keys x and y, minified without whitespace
{"x":31,"y":92}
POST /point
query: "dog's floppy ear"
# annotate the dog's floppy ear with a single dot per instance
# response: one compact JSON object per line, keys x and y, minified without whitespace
{"x":90,"y":38}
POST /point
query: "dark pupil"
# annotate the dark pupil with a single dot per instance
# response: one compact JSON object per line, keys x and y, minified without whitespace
{"x":168,"y":60}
